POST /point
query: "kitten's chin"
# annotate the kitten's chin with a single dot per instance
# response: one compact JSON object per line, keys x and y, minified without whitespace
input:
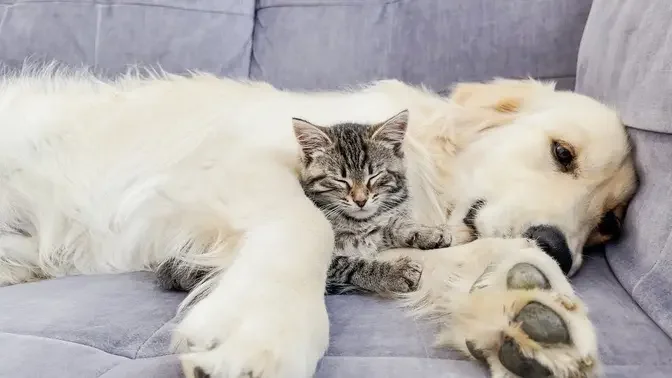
{"x":361,"y":214}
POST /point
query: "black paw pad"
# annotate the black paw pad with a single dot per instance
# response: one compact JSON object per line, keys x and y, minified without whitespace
{"x":524,"y":276}
{"x":513,"y":360}
{"x":199,"y":373}
{"x":542,"y":324}
{"x":475,"y":352}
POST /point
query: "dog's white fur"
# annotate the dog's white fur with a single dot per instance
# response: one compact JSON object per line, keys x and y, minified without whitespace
{"x":101,"y":177}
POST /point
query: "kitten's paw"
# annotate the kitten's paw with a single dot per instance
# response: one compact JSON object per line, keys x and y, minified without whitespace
{"x":404,"y":276}
{"x":260,"y":335}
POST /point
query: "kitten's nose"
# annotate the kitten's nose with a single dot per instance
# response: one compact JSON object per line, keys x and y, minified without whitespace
{"x":360,"y":202}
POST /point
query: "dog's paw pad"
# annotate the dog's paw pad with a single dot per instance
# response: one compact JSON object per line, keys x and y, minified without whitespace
{"x":513,"y":360}
{"x":542,"y":324}
{"x":525,"y":276}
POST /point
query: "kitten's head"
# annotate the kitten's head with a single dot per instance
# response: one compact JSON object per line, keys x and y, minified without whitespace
{"x":353,"y":170}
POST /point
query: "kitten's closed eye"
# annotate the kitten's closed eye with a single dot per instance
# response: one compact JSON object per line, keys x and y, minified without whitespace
{"x":323,"y":184}
{"x":385,"y":180}
{"x":343,"y":183}
{"x":372,"y":179}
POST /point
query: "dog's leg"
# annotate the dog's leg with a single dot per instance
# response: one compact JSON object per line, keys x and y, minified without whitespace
{"x":508,"y":304}
{"x":266,"y":316}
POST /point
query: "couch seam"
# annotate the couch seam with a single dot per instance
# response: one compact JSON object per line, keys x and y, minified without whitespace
{"x":4,"y":15}
{"x":252,"y":35}
{"x":109,"y":370}
{"x":121,"y":363}
{"x":334,"y":3}
{"x":138,"y":4}
{"x":668,"y":242}
{"x":96,"y":41}
{"x":135,"y":356}
{"x":63,"y":341}
{"x":648,"y":130}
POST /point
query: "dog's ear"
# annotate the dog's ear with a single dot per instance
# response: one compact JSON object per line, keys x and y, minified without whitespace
{"x":495,"y":103}
{"x":499,"y":95}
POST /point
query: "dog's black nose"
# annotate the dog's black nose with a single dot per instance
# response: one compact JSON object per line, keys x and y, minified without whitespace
{"x":552,"y":241}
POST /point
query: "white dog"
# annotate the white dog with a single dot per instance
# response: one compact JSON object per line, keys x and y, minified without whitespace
{"x":101,"y":177}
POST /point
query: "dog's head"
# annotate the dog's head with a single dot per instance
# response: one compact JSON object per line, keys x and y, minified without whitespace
{"x":559,"y":170}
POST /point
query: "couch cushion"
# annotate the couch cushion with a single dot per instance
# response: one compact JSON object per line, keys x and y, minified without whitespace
{"x":625,"y":60}
{"x":327,"y":44}
{"x":118,"y":326}
{"x":178,"y":35}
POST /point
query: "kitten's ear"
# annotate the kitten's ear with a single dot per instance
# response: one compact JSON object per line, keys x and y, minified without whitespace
{"x":311,"y":137}
{"x":393,"y":130}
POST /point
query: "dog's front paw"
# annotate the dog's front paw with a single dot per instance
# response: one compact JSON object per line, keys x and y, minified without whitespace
{"x":260,"y":335}
{"x":539,"y":333}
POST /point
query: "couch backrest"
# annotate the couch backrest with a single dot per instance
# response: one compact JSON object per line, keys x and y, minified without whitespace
{"x":626,"y":60}
{"x":305,"y":44}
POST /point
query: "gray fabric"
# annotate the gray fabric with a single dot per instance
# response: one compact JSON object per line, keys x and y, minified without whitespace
{"x":118,"y":326}
{"x":178,"y":35}
{"x":327,"y":43}
{"x":304,"y":43}
{"x":626,"y":60}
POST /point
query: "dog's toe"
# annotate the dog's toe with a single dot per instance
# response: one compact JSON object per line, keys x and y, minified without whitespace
{"x":542,"y":324}
{"x":513,"y":360}
{"x":525,"y":276}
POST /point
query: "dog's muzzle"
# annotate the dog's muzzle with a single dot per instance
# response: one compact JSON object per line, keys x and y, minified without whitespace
{"x":552,"y":241}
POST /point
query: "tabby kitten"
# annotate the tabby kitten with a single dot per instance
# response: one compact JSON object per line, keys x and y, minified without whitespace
{"x":356,"y":175}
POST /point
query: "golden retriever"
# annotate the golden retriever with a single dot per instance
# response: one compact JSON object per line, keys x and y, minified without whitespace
{"x":113,"y":176}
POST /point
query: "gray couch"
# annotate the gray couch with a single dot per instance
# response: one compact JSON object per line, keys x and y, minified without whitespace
{"x":116,"y":326}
